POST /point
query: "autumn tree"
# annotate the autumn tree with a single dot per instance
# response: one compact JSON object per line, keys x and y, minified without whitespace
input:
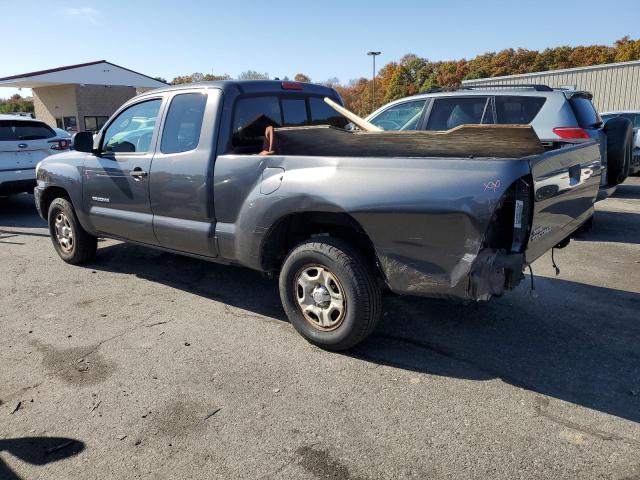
{"x":627,"y":50}
{"x":414,"y":74}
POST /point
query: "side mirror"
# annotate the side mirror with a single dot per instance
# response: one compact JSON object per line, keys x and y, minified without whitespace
{"x":83,"y":142}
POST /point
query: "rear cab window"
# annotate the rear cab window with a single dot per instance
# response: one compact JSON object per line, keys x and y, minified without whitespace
{"x":17,"y":130}
{"x":253,"y":114}
{"x":294,"y":112}
{"x":585,"y":112}
{"x":517,"y":109}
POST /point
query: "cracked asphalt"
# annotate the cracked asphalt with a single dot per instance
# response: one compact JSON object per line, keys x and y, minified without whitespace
{"x":150,"y":365}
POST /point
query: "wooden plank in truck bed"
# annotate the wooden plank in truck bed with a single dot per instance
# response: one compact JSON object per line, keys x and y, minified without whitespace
{"x":498,"y":141}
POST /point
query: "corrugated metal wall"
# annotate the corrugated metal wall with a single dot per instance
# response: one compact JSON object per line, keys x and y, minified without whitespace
{"x":614,"y":87}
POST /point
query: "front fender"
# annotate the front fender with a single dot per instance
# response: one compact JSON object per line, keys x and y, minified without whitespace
{"x":64,"y":171}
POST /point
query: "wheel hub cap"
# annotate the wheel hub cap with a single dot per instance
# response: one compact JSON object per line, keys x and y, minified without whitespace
{"x":64,"y":232}
{"x":320,"y":297}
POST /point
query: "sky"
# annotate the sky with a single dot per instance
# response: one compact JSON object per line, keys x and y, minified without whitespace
{"x":322,"y":39}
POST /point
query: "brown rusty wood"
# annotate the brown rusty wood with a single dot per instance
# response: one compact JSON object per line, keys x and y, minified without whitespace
{"x":498,"y":141}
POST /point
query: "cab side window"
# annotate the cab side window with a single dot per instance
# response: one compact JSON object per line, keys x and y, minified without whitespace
{"x":132,"y":130}
{"x":404,"y":116}
{"x":182,"y":127}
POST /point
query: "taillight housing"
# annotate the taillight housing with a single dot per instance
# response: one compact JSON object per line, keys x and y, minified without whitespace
{"x":571,"y":133}
{"x":292,"y":86}
{"x":60,"y":144}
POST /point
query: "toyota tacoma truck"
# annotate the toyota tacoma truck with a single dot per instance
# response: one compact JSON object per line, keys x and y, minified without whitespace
{"x":180,"y":169}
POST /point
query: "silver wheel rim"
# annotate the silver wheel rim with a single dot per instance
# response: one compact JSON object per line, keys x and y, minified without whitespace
{"x":64,"y":232}
{"x":320,"y":297}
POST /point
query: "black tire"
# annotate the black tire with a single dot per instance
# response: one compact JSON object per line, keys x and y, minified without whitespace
{"x":82,"y":246}
{"x":619,"y":133}
{"x":363,"y":304}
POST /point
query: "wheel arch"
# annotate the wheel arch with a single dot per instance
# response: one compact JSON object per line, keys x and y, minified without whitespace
{"x":49,"y":194}
{"x":293,"y":228}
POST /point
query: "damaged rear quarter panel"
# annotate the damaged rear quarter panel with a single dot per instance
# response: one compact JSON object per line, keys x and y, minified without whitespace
{"x":426,"y":217}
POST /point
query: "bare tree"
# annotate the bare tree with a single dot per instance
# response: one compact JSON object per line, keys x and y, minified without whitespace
{"x":253,"y":75}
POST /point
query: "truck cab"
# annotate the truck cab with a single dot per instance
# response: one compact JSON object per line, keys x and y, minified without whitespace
{"x":149,"y":176}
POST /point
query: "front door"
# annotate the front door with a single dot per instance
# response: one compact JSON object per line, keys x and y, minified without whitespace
{"x":116,"y":183}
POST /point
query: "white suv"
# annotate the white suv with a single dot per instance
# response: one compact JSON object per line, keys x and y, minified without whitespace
{"x":23,"y":143}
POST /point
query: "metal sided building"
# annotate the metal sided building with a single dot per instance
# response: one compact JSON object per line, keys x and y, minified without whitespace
{"x":615,"y":86}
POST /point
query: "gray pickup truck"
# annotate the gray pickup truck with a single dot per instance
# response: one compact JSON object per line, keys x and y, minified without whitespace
{"x":179,"y":169}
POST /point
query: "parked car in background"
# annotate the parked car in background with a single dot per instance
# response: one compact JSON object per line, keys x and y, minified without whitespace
{"x":634,"y":117}
{"x":23,"y":143}
{"x":199,"y":176}
{"x":62,"y":133}
{"x":560,"y":117}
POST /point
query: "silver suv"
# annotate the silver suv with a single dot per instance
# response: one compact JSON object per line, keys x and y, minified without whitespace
{"x":558,"y":116}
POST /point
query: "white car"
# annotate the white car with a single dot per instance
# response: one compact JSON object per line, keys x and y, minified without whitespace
{"x":62,"y":133}
{"x":23,"y":143}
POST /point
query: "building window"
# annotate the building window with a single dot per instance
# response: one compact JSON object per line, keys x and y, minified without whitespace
{"x":59,"y":123}
{"x":70,"y":124}
{"x":94,"y":123}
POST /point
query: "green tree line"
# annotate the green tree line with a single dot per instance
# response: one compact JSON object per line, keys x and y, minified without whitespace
{"x":16,"y":103}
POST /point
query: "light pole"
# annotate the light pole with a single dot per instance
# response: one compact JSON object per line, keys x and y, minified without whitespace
{"x":373,"y":97}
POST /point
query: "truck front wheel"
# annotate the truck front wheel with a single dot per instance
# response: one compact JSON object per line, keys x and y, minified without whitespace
{"x":73,"y":244}
{"x":329,"y":293}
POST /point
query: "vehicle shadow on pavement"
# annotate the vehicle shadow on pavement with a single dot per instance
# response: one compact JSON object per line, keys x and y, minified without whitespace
{"x":608,"y":226}
{"x":627,"y":190}
{"x":37,"y":451}
{"x":575,"y":342}
{"x":19,"y":211}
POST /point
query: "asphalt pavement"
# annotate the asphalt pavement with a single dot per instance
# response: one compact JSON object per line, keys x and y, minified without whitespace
{"x":145,"y":364}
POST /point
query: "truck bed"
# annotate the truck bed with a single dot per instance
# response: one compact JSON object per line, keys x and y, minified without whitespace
{"x":453,"y":227}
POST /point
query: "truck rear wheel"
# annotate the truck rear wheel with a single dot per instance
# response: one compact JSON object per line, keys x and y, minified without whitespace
{"x":329,"y":293}
{"x":72,"y":242}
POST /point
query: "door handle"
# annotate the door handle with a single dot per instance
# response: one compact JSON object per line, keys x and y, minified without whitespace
{"x":138,"y":173}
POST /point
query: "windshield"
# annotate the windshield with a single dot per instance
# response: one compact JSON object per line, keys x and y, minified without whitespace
{"x":634,"y":117}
